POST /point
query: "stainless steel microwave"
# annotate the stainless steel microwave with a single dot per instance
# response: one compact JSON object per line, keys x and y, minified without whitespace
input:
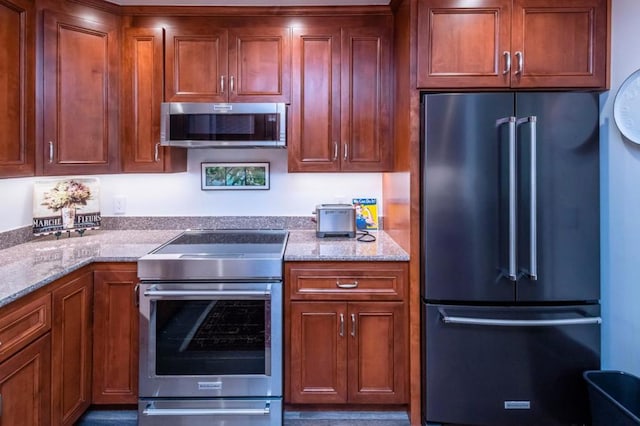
{"x":223,"y":125}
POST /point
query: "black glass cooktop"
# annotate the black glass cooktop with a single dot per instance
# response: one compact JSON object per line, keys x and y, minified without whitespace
{"x":217,"y":254}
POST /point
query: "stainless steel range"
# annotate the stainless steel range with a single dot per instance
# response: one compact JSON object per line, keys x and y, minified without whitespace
{"x":211,"y":329}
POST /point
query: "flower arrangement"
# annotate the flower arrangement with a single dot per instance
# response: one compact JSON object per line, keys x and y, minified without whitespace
{"x":67,"y":193}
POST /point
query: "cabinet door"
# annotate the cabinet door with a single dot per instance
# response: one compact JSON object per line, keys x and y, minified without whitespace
{"x":71,"y":349}
{"x":25,"y":385}
{"x":115,"y":335}
{"x":562,"y":44}
{"x":463,"y":43}
{"x":196,"y":65}
{"x":259,"y":65}
{"x":377,"y":348}
{"x":80,"y":95}
{"x":17,"y":144}
{"x":366,"y":99}
{"x":314,"y":136}
{"x":141,"y":99}
{"x":317,"y":353}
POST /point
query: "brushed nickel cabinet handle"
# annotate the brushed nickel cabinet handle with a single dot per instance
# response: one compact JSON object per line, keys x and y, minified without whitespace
{"x":156,"y":154}
{"x":335,"y":151}
{"x":507,"y":62}
{"x":231,"y":84}
{"x":347,"y":285}
{"x":353,"y":325}
{"x":520,"y":58}
{"x":341,"y":325}
{"x":50,"y":152}
{"x":222,"y":84}
{"x":346,"y":151}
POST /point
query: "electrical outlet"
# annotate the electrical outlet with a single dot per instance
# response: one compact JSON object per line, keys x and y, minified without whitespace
{"x":119,"y":204}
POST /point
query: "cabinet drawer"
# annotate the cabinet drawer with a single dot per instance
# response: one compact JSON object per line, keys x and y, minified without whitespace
{"x":23,"y":323}
{"x":352,"y":280}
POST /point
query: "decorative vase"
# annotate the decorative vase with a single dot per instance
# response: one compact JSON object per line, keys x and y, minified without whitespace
{"x":68,"y":217}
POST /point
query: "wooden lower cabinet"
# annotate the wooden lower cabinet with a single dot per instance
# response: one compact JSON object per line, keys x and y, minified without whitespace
{"x":345,"y":333}
{"x":71,"y":348}
{"x":115,"y":339}
{"x":25,"y":385}
{"x":347,"y":352}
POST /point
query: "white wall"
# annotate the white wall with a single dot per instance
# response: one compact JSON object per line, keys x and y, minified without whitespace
{"x":620,"y":188}
{"x":179,"y":194}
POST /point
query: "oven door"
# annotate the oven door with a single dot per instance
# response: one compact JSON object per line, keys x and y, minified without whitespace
{"x":210,"y":339}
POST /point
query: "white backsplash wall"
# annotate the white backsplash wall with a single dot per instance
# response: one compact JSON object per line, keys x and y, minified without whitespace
{"x":179,"y":194}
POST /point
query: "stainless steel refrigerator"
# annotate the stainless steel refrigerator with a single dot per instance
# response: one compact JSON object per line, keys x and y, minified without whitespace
{"x":510,"y":237}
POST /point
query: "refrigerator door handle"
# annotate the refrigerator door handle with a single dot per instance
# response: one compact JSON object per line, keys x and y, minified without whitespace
{"x":533,"y":196}
{"x":448,"y":319}
{"x":513,"y":224}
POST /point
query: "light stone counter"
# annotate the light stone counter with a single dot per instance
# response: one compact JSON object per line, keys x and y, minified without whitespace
{"x":29,"y":266}
{"x":305,"y":246}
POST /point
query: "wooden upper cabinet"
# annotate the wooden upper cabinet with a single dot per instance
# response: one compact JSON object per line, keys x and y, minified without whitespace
{"x":221,"y":65}
{"x":17,"y":79}
{"x":141,"y":99}
{"x":314,"y":134}
{"x":80,"y":89}
{"x":341,"y":103}
{"x":259,"y":65}
{"x":461,"y":44}
{"x":512,"y":44}
{"x":366,"y":99}
{"x":563,"y":44}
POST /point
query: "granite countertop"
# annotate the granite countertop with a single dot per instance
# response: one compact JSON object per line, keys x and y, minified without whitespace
{"x":29,"y":266}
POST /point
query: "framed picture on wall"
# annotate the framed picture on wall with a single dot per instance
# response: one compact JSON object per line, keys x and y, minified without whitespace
{"x":230,"y":176}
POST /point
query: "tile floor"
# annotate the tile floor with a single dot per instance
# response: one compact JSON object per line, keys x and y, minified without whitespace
{"x":291,"y":418}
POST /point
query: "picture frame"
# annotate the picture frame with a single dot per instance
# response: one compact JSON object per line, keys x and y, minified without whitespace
{"x":234,"y":176}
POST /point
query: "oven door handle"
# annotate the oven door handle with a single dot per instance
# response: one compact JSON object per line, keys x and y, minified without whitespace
{"x":218,"y":294}
{"x":207,"y":411}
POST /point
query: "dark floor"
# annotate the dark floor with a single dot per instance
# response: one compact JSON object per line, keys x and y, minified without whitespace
{"x":291,"y":418}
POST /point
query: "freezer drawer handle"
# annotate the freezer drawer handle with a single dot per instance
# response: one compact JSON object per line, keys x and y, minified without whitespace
{"x":207,"y":411}
{"x":518,"y":323}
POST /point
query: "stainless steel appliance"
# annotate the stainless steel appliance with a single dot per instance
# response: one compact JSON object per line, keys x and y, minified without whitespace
{"x":223,"y":125}
{"x":510,"y":246}
{"x":211,"y":329}
{"x":335,"y":220}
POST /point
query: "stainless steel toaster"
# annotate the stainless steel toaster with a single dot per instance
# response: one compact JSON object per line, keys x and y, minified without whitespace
{"x":335,"y":220}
